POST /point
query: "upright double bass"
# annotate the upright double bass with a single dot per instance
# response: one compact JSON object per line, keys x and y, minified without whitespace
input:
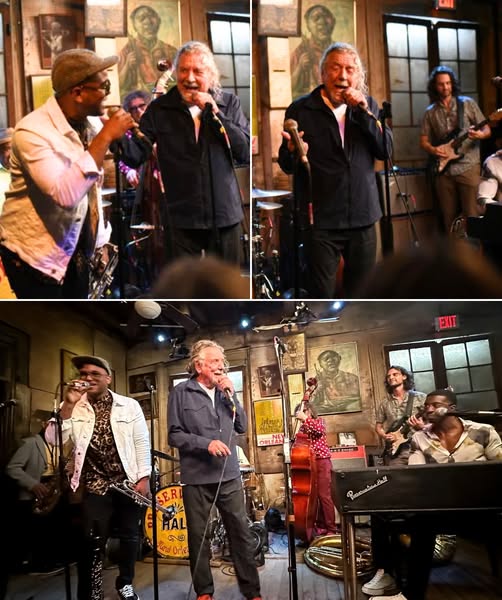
{"x":304,"y":477}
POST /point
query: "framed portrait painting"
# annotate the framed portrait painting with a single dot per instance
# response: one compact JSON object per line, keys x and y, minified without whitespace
{"x":336,"y":368}
{"x":294,"y":359}
{"x":148,"y":44}
{"x":269,"y":380}
{"x":278,"y":18}
{"x":56,"y":34}
{"x":321,"y":24}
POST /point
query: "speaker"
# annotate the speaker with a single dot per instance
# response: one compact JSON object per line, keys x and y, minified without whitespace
{"x":409,"y":187}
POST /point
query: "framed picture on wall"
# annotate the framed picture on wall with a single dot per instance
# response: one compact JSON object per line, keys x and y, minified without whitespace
{"x":278,"y":18}
{"x":68,"y":370}
{"x":269,"y":380}
{"x":336,"y":368}
{"x":321,"y":24}
{"x":163,"y":38}
{"x":105,"y":18}
{"x":141,"y":383}
{"x":347,"y":439}
{"x":56,"y":34}
{"x":146,"y":405}
{"x":41,"y":89}
{"x":269,"y":422}
{"x":295,"y":358}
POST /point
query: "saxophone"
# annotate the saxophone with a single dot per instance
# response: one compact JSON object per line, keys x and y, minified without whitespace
{"x":101,"y":278}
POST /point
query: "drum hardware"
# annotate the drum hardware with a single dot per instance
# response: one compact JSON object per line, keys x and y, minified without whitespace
{"x":256,"y":193}
{"x":145,"y":227}
{"x":268,"y":205}
{"x":127,"y":488}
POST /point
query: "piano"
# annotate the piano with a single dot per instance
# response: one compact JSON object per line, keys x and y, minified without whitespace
{"x":471,"y":487}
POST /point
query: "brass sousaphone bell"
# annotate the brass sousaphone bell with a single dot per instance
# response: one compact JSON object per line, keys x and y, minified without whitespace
{"x":325,"y":556}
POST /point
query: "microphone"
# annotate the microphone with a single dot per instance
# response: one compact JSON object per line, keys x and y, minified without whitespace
{"x":135,"y":130}
{"x":230,"y":398}
{"x":77,"y":385}
{"x":7,"y":403}
{"x":148,"y":384}
{"x":497,"y":81}
{"x":291,"y":126}
{"x":280,"y":344}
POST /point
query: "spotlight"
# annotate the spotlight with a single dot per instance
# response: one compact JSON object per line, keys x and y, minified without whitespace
{"x":337,"y":305}
{"x":160,"y":337}
{"x":245,"y":322}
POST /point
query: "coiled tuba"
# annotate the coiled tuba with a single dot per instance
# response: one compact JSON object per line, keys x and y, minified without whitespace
{"x":325,"y":556}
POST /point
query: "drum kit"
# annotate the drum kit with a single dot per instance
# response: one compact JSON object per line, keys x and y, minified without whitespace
{"x":266,"y":271}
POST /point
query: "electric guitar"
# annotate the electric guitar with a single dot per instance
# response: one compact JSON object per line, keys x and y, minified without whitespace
{"x":401,"y":428}
{"x":456,"y":138}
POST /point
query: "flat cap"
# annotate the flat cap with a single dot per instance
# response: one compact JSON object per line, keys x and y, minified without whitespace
{"x":80,"y":361}
{"x":74,"y":66}
{"x":6,"y":134}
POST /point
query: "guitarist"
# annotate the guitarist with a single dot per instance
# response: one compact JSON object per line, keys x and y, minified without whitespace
{"x":444,"y":119}
{"x":395,"y":417}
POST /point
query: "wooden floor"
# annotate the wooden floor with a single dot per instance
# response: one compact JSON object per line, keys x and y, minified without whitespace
{"x":467,"y":577}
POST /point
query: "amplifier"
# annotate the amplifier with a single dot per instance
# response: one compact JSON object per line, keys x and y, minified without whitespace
{"x":407,"y":186}
{"x":347,"y":457}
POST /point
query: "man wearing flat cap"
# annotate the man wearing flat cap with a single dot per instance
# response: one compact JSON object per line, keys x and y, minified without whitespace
{"x":52,"y":220}
{"x":111,"y":445}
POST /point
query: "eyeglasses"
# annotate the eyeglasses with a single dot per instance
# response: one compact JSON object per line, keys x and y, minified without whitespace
{"x":92,"y":374}
{"x":138,"y":107}
{"x":106,"y":86}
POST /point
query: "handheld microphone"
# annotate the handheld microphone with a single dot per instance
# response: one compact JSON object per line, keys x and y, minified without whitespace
{"x":291,"y":127}
{"x":230,"y":398}
{"x":135,"y":130}
{"x":280,"y":344}
{"x":77,"y":385}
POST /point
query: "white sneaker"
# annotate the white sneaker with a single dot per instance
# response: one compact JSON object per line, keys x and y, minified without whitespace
{"x":396,"y":597}
{"x":382,"y":582}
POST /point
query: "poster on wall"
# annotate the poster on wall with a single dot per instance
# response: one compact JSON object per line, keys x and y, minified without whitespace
{"x":153,"y":35}
{"x":269,"y":380}
{"x":269,"y":422}
{"x":336,"y":368}
{"x":294,"y":359}
{"x":321,"y":24}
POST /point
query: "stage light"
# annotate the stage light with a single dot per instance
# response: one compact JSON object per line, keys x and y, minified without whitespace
{"x":245,"y":322}
{"x":160,"y":337}
{"x":337,"y":305}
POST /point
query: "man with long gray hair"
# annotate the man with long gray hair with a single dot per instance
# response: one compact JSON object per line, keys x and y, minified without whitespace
{"x":204,"y":415}
{"x":201,"y":135}
{"x":338,"y":194}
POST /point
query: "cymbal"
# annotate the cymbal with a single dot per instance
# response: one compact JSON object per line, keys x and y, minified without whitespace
{"x":256,"y":193}
{"x":107,"y":191}
{"x":143,"y":226}
{"x":268,"y":205}
{"x":105,"y":203}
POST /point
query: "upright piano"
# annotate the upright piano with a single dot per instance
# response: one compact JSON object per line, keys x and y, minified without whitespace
{"x":475,"y":487}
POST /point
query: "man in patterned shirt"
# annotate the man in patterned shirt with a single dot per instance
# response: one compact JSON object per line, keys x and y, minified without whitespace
{"x":445,"y":438}
{"x":402,"y":404}
{"x":315,"y":429}
{"x":112,"y":444}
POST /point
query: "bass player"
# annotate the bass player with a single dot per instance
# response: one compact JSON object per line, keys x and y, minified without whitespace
{"x":450,"y":114}
{"x":395,"y":418}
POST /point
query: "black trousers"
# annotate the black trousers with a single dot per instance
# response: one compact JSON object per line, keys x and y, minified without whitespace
{"x":327,"y":246}
{"x":98,"y":512}
{"x":28,"y":283}
{"x":194,"y":241}
{"x":197,"y":501}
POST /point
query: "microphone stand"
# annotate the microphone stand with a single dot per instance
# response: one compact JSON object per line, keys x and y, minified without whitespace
{"x":117,"y":220}
{"x":388,"y":234}
{"x":153,"y":492}
{"x":290,"y":513}
{"x":56,"y":414}
{"x":298,"y":292}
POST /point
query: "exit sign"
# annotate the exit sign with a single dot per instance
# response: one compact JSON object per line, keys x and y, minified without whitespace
{"x":445,"y":4}
{"x":446,"y":322}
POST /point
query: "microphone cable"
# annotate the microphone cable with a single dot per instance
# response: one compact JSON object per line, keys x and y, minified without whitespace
{"x":220,"y":481}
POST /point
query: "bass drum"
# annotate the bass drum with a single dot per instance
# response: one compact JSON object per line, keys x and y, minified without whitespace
{"x":172,"y":538}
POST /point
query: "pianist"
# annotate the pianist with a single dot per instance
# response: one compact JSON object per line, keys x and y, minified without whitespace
{"x":490,"y":186}
{"x":445,"y":438}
